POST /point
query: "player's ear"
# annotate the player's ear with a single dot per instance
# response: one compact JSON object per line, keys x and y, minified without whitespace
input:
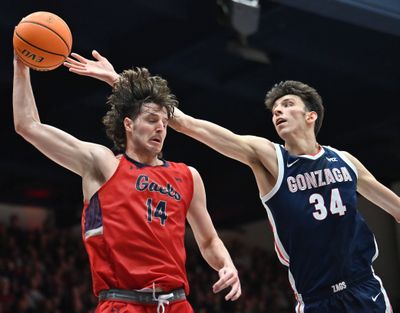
{"x":311,"y":116}
{"x":128,"y":124}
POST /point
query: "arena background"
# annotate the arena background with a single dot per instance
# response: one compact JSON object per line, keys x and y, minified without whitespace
{"x":220,"y":57}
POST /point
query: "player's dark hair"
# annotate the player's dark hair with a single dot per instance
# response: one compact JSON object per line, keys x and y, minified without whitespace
{"x":309,"y":95}
{"x":133,"y":89}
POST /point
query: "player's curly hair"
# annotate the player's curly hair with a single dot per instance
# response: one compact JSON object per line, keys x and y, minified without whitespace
{"x":133,"y":89}
{"x":309,"y":95}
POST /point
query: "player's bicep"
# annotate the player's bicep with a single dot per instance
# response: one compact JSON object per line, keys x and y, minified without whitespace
{"x":365,"y":180}
{"x":247,"y":149}
{"x":59,"y":146}
{"x":219,"y":138}
{"x":370,"y":188}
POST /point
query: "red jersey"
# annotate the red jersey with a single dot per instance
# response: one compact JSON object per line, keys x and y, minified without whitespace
{"x":133,"y":227}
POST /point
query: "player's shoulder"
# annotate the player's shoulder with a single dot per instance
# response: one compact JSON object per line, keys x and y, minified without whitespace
{"x":179,"y":166}
{"x":103,"y":158}
{"x":183,"y":167}
{"x":338,"y":151}
{"x":258,"y":140}
{"x":102,"y":151}
{"x":260,"y":145}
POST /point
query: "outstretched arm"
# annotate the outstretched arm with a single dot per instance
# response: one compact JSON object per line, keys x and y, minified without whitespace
{"x":246,"y":149}
{"x":374,"y":191}
{"x":99,"y":68}
{"x":250,"y":150}
{"x":210,"y":245}
{"x":61,"y":147}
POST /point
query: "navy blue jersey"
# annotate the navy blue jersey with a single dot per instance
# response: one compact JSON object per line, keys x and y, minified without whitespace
{"x":319,"y":233}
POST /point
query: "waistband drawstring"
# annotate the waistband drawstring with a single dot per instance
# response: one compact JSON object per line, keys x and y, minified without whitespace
{"x":162,"y":299}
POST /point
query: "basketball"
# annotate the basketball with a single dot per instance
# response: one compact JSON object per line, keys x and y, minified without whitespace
{"x":42,"y":41}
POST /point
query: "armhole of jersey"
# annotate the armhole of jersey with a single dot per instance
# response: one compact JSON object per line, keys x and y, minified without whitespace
{"x":281,"y":169}
{"x":86,"y":202}
{"x":345,"y":159}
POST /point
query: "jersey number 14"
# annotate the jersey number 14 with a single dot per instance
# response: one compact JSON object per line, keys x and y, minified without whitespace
{"x":160,"y":211}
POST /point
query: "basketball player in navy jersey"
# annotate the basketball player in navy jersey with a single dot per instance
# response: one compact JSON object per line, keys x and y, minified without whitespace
{"x":309,"y":192}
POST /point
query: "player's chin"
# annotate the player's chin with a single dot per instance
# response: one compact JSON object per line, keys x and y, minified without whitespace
{"x":282,"y":132}
{"x":156,"y":146}
{"x":156,"y":150}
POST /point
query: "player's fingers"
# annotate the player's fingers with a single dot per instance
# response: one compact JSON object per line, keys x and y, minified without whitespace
{"x":79,"y":57}
{"x":78,"y":71}
{"x":227,"y":283}
{"x":220,"y":282}
{"x":97,"y":55}
{"x":235,"y":292}
{"x":72,"y":62}
{"x":224,"y":282}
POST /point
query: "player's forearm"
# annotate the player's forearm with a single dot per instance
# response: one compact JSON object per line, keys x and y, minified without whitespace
{"x":216,"y":255}
{"x":220,"y":139}
{"x":380,"y":195}
{"x":24,"y":106}
{"x":388,"y":200}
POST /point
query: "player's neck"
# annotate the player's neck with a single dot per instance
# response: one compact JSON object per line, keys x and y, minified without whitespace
{"x":300,"y":147}
{"x":144,"y":158}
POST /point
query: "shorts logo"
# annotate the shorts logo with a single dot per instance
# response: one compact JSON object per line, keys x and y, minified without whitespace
{"x":339,"y":287}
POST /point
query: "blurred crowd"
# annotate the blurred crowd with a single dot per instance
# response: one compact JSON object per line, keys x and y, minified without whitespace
{"x":47,"y":271}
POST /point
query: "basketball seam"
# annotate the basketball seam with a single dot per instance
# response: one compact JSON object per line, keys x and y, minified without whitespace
{"x":26,"y":41}
{"x":40,"y":68}
{"x":68,"y":47}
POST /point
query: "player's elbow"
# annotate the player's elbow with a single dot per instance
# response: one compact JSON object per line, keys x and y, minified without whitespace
{"x":21,"y":128}
{"x":209,"y":243}
{"x":25,"y":130}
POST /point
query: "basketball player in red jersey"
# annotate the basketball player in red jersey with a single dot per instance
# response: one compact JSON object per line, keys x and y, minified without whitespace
{"x":135,"y":205}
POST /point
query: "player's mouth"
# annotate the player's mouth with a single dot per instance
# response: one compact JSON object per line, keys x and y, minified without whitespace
{"x":156,"y":140}
{"x":279,"y":121}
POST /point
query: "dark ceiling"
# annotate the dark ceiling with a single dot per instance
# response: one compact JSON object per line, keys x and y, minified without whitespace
{"x":352,"y":58}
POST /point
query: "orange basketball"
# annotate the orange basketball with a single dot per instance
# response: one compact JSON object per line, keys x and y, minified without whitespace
{"x":42,"y":40}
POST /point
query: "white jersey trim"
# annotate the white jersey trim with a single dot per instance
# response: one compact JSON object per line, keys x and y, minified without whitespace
{"x":279,"y":249}
{"x":385,"y":296}
{"x":376,"y":250}
{"x":278,"y":183}
{"x":345,"y":159}
{"x":298,"y":297}
{"x":94,"y":232}
{"x":312,"y":156}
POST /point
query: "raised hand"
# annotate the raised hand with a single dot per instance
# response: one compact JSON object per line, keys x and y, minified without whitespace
{"x":100,"y":68}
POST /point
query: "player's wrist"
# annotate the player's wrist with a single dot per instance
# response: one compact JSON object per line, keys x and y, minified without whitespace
{"x":112,"y":79}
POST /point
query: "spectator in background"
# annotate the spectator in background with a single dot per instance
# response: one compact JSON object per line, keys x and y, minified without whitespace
{"x":40,"y":267}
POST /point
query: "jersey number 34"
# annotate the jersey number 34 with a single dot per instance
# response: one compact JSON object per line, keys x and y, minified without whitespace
{"x":335,"y":203}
